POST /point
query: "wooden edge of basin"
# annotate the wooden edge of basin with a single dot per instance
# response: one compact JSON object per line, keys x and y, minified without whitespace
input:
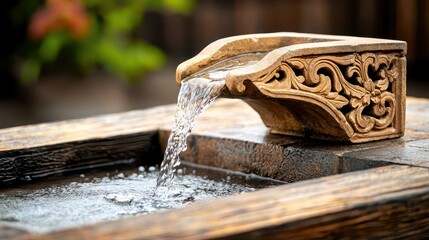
{"x":390,"y":201}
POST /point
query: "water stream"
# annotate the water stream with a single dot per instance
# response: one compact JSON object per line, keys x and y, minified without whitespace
{"x":196,"y":93}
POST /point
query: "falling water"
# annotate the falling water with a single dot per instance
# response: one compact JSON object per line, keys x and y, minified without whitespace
{"x":196,"y":94}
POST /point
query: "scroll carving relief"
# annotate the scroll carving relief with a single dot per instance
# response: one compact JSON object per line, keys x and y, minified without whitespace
{"x":359,"y":85}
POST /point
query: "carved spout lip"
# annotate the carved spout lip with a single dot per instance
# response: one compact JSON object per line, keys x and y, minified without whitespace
{"x":333,"y":87}
{"x":278,"y":46}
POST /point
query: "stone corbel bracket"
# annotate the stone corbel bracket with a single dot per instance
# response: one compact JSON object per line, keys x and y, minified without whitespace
{"x":330,"y":87}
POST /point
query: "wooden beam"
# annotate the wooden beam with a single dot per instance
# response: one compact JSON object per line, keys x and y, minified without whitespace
{"x":387,"y":202}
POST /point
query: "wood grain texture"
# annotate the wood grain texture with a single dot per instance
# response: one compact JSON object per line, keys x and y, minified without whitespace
{"x":43,"y":160}
{"x":389,"y":202}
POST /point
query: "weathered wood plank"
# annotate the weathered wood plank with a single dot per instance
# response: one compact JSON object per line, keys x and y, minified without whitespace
{"x":43,"y":160}
{"x":389,"y":202}
{"x":47,"y":134}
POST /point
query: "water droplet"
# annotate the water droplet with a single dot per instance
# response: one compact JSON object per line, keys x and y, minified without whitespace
{"x":123,"y":199}
{"x":132,"y":176}
{"x":228,"y":178}
{"x":111,"y":196}
{"x":105,"y":180}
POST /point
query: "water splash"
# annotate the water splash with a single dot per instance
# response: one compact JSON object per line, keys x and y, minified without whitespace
{"x":195,"y":95}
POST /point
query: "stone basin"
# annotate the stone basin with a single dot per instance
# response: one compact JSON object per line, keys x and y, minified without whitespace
{"x":337,"y":190}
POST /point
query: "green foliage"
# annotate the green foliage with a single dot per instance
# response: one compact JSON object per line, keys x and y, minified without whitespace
{"x":29,"y":71}
{"x":50,"y":46}
{"x":181,"y":6}
{"x":109,"y":43}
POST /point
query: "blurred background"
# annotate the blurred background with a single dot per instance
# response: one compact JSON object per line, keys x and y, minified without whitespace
{"x":63,"y":59}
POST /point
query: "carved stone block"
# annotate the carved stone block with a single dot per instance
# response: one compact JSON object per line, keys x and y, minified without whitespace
{"x":322,"y":86}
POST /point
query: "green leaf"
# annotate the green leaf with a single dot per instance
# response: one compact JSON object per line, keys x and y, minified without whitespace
{"x":123,"y":19}
{"x":51,"y":45}
{"x":29,"y":71}
{"x":130,"y":61}
{"x":148,"y":56}
{"x":180,"y":6}
{"x":85,"y":51}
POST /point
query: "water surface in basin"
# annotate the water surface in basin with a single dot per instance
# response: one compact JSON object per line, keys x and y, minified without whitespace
{"x":98,"y":196}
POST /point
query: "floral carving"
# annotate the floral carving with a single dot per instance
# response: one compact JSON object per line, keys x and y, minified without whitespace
{"x":358,"y":85}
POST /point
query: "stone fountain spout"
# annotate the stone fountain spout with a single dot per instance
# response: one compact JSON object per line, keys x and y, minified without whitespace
{"x":323,"y":86}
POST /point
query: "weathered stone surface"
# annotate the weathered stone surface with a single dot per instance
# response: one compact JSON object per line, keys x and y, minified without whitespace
{"x":340,"y":150}
{"x":268,"y":159}
{"x":417,"y":119}
{"x":415,"y":153}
